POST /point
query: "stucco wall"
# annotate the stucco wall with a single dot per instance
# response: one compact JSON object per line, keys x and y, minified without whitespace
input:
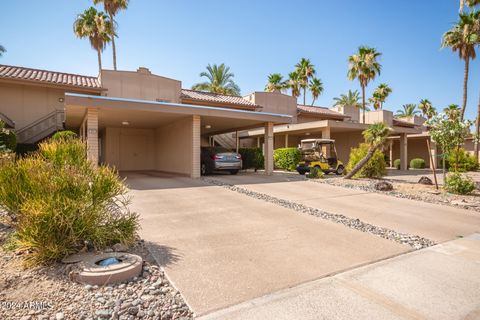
{"x":25,"y":104}
{"x":173,"y":147}
{"x":416,"y":148}
{"x":344,"y":141}
{"x":275,"y":102}
{"x":140,"y":85}
{"x":130,"y":149}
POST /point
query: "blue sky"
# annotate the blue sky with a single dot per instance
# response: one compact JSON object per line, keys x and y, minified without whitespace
{"x":179,"y":38}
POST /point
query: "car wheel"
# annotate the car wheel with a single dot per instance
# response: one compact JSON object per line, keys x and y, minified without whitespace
{"x":203,"y":169}
{"x":233,"y":171}
{"x":340,"y":170}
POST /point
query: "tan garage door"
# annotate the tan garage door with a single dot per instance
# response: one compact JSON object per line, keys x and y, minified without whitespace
{"x":136,"y":150}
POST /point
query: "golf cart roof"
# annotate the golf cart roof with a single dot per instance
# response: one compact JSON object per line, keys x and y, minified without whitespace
{"x":318,"y":140}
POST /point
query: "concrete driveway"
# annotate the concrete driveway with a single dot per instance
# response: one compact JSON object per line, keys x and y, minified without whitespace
{"x":220,"y":248}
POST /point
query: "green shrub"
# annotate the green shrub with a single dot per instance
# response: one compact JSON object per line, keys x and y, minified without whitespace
{"x":252,"y":158}
{"x":8,"y":139}
{"x":417,"y":163}
{"x":59,"y":201}
{"x":62,"y":135}
{"x":458,"y":183}
{"x":461,"y":160}
{"x":376,"y":167}
{"x":396,"y":164}
{"x":287,"y":158}
{"x":315,"y":173}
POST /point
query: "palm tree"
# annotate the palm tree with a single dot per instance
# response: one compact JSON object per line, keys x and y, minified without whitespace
{"x":364,"y":66}
{"x":95,"y":26}
{"x":316,"y":88}
{"x":470,"y":3}
{"x":275,"y":83}
{"x":2,"y":50}
{"x":375,"y":135}
{"x":381,"y":93}
{"x":452,"y":111}
{"x":463,"y":37}
{"x":293,"y":83}
{"x":112,"y":7}
{"x":425,"y":106}
{"x":352,"y":98}
{"x":220,"y":80}
{"x":376,"y":101}
{"x":305,"y":70}
{"x":408,"y":110}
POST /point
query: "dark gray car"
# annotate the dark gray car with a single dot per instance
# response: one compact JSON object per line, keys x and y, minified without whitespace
{"x":219,"y":159}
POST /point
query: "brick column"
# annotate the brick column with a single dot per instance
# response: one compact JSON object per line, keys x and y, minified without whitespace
{"x":92,"y":135}
{"x":268,"y":148}
{"x":286,"y":140}
{"x":391,"y":152}
{"x":195,"y":170}
{"x":403,"y":152}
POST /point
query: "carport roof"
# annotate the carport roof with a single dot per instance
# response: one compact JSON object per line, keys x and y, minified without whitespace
{"x":145,"y":111}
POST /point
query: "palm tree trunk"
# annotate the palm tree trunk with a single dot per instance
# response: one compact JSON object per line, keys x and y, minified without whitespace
{"x":362,"y":162}
{"x":313,"y":101}
{"x":363,"y":102}
{"x":99,"y":62}
{"x":477,"y":131}
{"x":114,"y":49}
{"x":304,"y":95}
{"x":465,"y":87}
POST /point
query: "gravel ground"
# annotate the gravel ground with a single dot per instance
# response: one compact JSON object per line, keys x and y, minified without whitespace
{"x":409,"y":190}
{"x":414,"y":241}
{"x":47,"y":292}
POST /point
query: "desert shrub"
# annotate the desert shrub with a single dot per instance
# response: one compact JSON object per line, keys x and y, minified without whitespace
{"x":461,"y":160}
{"x":62,"y":135}
{"x":8,"y":139}
{"x":396,"y":164}
{"x":315,"y":173}
{"x":286,"y":158}
{"x":252,"y":158}
{"x":458,"y":183}
{"x":59,"y":201}
{"x":375,"y":167}
{"x":417,"y":163}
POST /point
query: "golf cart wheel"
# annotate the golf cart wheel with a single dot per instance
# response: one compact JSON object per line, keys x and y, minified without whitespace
{"x":340,"y":170}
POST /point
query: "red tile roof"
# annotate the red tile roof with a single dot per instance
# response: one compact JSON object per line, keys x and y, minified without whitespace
{"x":402,"y":123}
{"x":217,"y":98}
{"x":49,"y":77}
{"x":320,"y":111}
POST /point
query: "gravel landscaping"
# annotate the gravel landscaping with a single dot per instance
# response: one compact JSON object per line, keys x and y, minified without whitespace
{"x":47,"y":293}
{"x":414,"y":241}
{"x":409,"y":190}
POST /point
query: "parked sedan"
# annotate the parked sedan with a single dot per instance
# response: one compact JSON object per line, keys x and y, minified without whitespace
{"x":219,"y":159}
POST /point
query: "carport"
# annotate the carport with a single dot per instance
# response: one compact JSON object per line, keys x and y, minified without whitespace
{"x":135,"y":135}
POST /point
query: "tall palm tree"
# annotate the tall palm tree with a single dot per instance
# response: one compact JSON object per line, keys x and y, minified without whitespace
{"x":376,"y":101}
{"x":425,"y":106}
{"x":470,"y":3}
{"x":408,"y":110}
{"x":375,"y":135}
{"x":316,"y":88}
{"x":463,"y":37}
{"x":220,"y":80}
{"x":275,"y":83}
{"x":381,"y":93}
{"x":453,"y":111}
{"x":364,"y":66}
{"x":2,"y":50}
{"x":306,"y":70}
{"x":352,"y":98}
{"x":293,"y":83}
{"x":95,"y":26}
{"x":112,"y":7}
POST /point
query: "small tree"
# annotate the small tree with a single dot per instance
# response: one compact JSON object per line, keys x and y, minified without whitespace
{"x":448,"y":133}
{"x":375,"y":136}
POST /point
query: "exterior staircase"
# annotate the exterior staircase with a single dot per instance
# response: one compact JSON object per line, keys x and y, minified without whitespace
{"x":41,"y":128}
{"x":226,"y":140}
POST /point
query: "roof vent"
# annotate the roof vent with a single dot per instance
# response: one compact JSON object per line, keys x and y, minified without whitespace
{"x":143,"y":70}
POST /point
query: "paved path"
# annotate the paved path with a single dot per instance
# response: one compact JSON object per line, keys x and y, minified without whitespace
{"x":437,"y":283}
{"x":221,"y":248}
{"x":436,"y":222}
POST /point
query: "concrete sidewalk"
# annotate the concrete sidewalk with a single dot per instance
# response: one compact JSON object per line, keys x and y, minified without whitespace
{"x":220,"y":248}
{"x":436,"y":222}
{"x":438,"y":283}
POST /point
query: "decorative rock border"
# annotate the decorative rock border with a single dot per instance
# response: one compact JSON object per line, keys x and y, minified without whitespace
{"x":414,"y":241}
